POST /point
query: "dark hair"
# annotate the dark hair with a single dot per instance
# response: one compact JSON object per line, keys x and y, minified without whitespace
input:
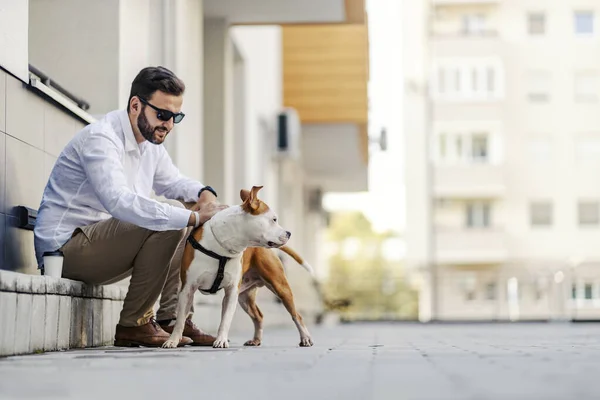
{"x":151,"y":79}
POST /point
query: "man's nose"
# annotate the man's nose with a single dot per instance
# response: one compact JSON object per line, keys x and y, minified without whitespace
{"x":168,"y":125}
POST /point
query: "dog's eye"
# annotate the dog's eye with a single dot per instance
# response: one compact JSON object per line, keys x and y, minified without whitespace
{"x":275,"y":219}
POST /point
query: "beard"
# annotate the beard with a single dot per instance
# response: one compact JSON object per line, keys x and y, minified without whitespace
{"x":149,"y":132}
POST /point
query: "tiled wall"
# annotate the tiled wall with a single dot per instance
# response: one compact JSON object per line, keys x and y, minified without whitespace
{"x":33,"y":132}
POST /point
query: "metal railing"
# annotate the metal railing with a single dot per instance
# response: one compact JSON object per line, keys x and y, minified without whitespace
{"x":46,"y":80}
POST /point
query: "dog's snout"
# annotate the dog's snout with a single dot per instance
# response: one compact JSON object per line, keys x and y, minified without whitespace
{"x":288,"y":233}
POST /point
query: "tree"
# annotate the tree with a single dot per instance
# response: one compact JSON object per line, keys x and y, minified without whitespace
{"x":359,"y":273}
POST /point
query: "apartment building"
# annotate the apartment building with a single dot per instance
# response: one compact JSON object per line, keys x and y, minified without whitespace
{"x":502,"y":136}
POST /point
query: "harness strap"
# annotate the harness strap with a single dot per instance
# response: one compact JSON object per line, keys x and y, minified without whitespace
{"x":222,"y":261}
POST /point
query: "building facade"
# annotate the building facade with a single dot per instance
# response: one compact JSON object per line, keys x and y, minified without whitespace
{"x":503,"y":157}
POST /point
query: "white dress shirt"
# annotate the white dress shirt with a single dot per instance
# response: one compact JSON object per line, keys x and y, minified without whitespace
{"x":103,"y":172}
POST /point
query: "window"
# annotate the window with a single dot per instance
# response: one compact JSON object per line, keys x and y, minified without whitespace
{"x":490,"y":75}
{"x":574,"y":291}
{"x":443,"y":148}
{"x":474,"y":80}
{"x":538,"y":84}
{"x":479,"y":148}
{"x":468,"y":283}
{"x":584,"y":22}
{"x":456,"y":79}
{"x":473,"y":24}
{"x":459,"y":146}
{"x":463,"y":147}
{"x":490,"y":291}
{"x":467,"y":79}
{"x":589,"y":213}
{"x":478,"y":215}
{"x":587,"y":87}
{"x":588,"y":291}
{"x":537,"y":23}
{"x":540,"y":288}
{"x":541,"y":213}
{"x":441,"y":81}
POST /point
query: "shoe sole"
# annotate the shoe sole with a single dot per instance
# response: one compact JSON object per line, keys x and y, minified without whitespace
{"x":130,"y":343}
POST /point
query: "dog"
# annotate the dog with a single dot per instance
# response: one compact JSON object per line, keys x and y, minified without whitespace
{"x":234,"y":250}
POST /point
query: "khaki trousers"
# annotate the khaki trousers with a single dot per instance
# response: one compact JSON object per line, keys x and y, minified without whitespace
{"x":111,"y":250}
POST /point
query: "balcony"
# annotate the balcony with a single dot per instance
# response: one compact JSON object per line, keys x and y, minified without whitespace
{"x":469,"y":181}
{"x":461,"y":246}
{"x":456,"y":43}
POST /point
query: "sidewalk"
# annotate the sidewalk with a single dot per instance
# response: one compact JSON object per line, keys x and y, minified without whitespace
{"x":376,"y":361}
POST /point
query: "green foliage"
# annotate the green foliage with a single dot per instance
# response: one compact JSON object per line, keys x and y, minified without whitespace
{"x":376,"y":287}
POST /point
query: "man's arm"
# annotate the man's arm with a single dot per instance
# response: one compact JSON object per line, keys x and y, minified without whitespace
{"x":171,"y":183}
{"x":102,"y":163}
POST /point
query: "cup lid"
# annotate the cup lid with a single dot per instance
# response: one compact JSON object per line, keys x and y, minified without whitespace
{"x":53,"y":253}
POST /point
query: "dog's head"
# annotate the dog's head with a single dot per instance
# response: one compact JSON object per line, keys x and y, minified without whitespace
{"x":261,"y":225}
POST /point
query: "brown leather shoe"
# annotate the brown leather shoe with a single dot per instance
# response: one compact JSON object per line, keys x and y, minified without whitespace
{"x":190,"y":330}
{"x":148,"y":335}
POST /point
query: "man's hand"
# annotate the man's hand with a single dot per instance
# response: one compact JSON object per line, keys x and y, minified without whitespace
{"x":206,"y":211}
{"x":205,"y":198}
{"x":209,"y":209}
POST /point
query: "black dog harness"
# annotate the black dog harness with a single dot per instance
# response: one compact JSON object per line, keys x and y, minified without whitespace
{"x":222,"y":261}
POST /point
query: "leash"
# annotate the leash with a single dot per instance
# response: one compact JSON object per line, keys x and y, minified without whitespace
{"x":222,"y":261}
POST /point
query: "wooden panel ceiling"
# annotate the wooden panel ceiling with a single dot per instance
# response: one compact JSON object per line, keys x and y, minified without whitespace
{"x":325,"y":72}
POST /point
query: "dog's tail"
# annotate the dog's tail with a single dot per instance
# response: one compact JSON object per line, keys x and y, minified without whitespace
{"x":298,"y":259}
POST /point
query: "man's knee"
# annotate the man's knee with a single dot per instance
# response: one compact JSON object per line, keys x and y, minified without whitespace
{"x":173,"y":236}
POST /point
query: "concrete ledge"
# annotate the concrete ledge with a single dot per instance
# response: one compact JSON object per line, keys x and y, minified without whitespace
{"x":41,"y":313}
{"x":15,"y":282}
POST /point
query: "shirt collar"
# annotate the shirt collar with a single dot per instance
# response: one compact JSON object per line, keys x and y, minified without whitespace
{"x":130,"y":143}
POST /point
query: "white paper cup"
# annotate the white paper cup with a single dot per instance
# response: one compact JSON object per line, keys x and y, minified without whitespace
{"x":53,"y":263}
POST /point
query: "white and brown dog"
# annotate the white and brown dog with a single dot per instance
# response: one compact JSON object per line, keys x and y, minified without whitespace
{"x":233,"y":252}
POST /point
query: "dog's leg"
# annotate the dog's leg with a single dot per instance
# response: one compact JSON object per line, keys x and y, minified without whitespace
{"x":228,"y":309}
{"x":247,"y":300}
{"x":281,"y":288}
{"x":184,"y":304}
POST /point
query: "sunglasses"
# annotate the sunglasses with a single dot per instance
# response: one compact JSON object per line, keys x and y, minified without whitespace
{"x":165,"y":115}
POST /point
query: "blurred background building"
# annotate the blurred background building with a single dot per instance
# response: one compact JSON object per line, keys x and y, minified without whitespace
{"x":502,"y":160}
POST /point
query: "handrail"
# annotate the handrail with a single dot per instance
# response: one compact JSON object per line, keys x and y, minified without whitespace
{"x":46,"y":80}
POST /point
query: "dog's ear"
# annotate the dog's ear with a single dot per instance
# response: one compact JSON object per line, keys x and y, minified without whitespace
{"x":251,"y":201}
{"x":254,"y":192}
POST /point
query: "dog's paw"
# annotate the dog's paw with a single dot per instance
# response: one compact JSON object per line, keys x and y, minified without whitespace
{"x":170,"y":344}
{"x":253,"y":342}
{"x":221,"y":343}
{"x":306,"y":342}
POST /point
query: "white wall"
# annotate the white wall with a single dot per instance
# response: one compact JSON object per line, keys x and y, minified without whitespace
{"x":415,"y":132}
{"x":218,"y":108}
{"x":240,"y":119}
{"x":14,"y":37}
{"x":183,"y":53}
{"x":260,"y":46}
{"x":76,"y":42}
{"x":103,"y":45}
